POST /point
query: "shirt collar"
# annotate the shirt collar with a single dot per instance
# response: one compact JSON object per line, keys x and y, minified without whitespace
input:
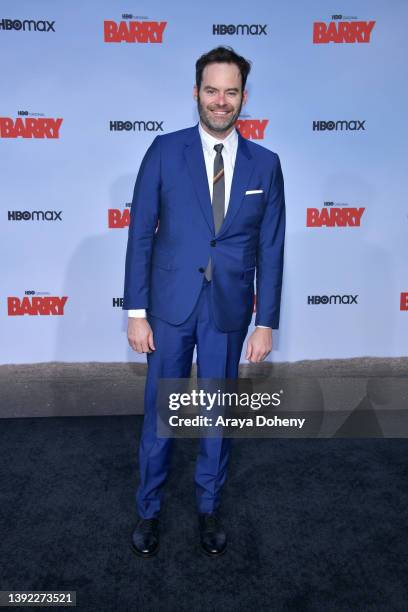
{"x":209,"y":141}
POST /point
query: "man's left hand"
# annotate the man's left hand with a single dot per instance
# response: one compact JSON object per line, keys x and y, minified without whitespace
{"x":259,"y":344}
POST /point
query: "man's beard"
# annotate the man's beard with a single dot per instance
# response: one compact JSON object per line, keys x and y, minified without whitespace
{"x":216,"y":127}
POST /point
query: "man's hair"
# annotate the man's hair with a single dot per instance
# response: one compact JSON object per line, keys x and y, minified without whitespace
{"x":225,"y":55}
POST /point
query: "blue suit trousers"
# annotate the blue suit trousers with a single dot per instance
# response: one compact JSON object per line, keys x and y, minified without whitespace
{"x":218,"y":356}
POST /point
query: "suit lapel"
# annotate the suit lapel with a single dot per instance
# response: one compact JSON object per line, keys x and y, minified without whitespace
{"x":196,"y":167}
{"x":243,"y":168}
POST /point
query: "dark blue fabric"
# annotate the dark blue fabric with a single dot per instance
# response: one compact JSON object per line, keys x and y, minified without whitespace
{"x":164,"y":268}
{"x":218,"y":355}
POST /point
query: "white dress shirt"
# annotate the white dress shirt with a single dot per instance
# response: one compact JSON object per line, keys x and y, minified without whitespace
{"x":229,"y":153}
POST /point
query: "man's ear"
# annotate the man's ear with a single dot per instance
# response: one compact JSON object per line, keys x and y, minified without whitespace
{"x":195,"y":92}
{"x":244,"y":97}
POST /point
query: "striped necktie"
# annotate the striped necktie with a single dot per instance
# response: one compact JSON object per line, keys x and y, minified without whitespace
{"x":218,"y":198}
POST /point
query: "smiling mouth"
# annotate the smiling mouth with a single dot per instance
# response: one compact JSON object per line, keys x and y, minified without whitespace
{"x":219,"y":113}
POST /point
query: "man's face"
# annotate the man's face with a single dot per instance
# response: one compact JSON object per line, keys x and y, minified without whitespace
{"x":220,"y":98}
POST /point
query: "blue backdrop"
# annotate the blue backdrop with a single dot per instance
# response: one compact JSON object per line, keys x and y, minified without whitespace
{"x":86,"y":86}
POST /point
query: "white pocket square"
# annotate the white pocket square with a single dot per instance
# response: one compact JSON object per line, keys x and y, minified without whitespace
{"x":251,"y":191}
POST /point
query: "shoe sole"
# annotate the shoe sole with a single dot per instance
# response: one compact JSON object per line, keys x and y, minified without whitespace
{"x":144,"y":555}
{"x":208,"y":554}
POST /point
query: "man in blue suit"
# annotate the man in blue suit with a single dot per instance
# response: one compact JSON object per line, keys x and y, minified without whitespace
{"x":208,"y":211}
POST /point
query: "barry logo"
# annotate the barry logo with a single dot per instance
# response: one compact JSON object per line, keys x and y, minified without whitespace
{"x":342,"y":31}
{"x":334,"y":217}
{"x":29,"y":127}
{"x":134,"y":31}
{"x":118,"y":219}
{"x":36,"y":305}
{"x":253,"y":129}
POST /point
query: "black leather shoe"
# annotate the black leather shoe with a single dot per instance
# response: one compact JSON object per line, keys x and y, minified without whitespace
{"x":213,"y":538}
{"x":145,"y":538}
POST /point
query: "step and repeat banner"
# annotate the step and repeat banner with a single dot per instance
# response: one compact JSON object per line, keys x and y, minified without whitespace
{"x":87,"y":85}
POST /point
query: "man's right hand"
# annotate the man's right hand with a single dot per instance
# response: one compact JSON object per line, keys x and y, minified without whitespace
{"x":140,"y":335}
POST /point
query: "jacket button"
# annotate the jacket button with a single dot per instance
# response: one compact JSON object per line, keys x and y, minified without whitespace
{"x":213,"y":242}
{"x":201,"y":270}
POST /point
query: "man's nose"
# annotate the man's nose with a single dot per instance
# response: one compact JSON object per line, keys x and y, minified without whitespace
{"x":221,"y":99}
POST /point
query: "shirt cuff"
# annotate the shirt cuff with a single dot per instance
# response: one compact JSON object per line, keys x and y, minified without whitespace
{"x":264,"y":326}
{"x":138,"y":313}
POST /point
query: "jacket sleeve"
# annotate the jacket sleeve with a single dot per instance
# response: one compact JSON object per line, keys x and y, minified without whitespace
{"x":270,"y":254}
{"x":144,"y":215}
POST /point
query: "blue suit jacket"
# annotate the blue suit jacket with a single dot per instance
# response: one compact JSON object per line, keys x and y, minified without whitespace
{"x":164,"y":268}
